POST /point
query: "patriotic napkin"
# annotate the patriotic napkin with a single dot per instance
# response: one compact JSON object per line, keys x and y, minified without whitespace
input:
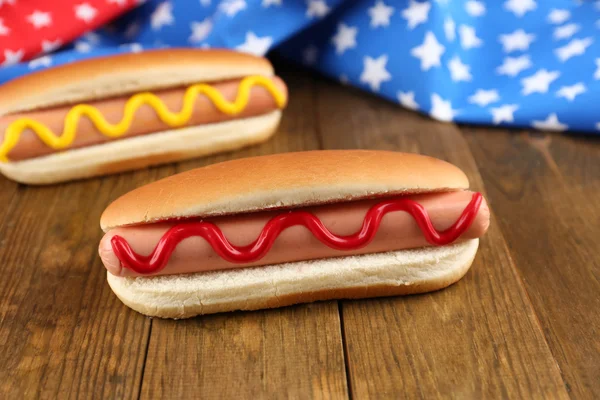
{"x":518,"y":63}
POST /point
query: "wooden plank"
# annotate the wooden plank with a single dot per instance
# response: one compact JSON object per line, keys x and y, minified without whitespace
{"x":264,"y":354}
{"x":546,"y":190}
{"x":293,"y":350}
{"x":477,"y":339}
{"x":8,"y":196}
{"x":62,"y":331}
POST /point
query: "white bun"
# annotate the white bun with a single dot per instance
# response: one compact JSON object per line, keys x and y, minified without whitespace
{"x":372,"y":275}
{"x":142,"y":151}
{"x":282,"y":180}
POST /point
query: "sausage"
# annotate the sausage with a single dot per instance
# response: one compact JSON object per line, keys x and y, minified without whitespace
{"x":397,"y":231}
{"x":146,"y":121}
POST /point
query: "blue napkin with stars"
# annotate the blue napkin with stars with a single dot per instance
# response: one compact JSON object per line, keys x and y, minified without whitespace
{"x":516,"y":63}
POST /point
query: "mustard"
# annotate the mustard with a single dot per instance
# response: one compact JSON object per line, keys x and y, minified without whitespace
{"x":173,"y":119}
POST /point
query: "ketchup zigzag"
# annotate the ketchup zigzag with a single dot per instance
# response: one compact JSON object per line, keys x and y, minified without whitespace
{"x":158,"y":259}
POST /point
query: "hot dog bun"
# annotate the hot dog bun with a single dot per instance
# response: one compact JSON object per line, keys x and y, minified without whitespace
{"x":143,"y":151}
{"x":283,"y":180}
{"x":372,"y":275}
{"x":125,"y":75}
{"x":116,"y":75}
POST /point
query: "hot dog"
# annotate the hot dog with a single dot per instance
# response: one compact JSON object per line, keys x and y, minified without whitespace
{"x":291,"y":228}
{"x":397,"y":231}
{"x":171,"y":105}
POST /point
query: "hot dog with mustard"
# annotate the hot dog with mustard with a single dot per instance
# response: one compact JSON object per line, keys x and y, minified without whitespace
{"x":118,"y":113}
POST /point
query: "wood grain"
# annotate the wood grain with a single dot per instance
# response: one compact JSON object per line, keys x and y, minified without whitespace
{"x":62,"y":331}
{"x":546,"y":187}
{"x":521,"y":324}
{"x":294,"y":352}
{"x":8,"y":199}
{"x":477,"y":339}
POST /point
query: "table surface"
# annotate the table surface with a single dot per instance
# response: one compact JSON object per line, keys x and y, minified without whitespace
{"x":523,"y":323}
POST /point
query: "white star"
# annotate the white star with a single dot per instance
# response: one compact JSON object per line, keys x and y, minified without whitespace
{"x":380,"y":14}
{"x":450,"y":29}
{"x":12,"y":57}
{"x":576,"y":47}
{"x":538,"y":82}
{"x":520,"y":7}
{"x":162,"y":15}
{"x":48,"y":46}
{"x":132,"y":30}
{"x":416,"y":13}
{"x":200,"y":30}
{"x":92,"y":37}
{"x":374,"y":72}
{"x":255,"y":45}
{"x":310,"y":55}
{"x":85,"y":12}
{"x":345,"y":38}
{"x":120,"y":3}
{"x":558,"y":16}
{"x":429,"y":52}
{"x":551,"y":123}
{"x":39,"y":19}
{"x":597,"y":73}
{"x":407,"y":99}
{"x":484,"y":97}
{"x":570,"y":92}
{"x":4,"y":30}
{"x":475,"y":8}
{"x":268,"y":3}
{"x":518,"y":40}
{"x":504,"y":113}
{"x":10,"y":2}
{"x":513,"y":66}
{"x":468,"y":38}
{"x":132,"y":47}
{"x":232,"y":7}
{"x":441,"y":109}
{"x":135,"y":47}
{"x":83,"y":47}
{"x":317,"y":8}
{"x":458,"y":70}
{"x":44,"y":61}
{"x":566,"y":31}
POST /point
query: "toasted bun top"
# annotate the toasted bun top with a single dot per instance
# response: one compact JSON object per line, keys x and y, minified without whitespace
{"x":282,"y":180}
{"x":126,"y":73}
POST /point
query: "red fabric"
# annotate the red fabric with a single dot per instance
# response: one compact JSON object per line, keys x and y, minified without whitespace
{"x":27,"y":26}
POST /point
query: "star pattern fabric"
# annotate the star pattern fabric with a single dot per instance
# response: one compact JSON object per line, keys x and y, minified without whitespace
{"x":29,"y":28}
{"x":518,"y":63}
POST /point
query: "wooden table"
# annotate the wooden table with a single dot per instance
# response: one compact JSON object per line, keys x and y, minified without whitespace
{"x":523,"y":323}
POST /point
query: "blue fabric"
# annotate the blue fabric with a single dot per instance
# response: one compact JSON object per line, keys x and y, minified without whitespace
{"x":524,"y":63}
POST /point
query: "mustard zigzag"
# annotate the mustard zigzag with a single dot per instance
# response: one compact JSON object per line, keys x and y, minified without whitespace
{"x":173,"y":119}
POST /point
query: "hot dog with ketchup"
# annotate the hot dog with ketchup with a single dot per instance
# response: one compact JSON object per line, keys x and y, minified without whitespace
{"x":290,"y":228}
{"x":123,"y":112}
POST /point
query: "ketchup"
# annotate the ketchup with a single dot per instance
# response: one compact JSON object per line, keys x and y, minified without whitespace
{"x":158,"y":259}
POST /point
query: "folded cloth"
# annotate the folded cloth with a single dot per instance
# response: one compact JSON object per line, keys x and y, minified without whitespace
{"x":518,"y":63}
